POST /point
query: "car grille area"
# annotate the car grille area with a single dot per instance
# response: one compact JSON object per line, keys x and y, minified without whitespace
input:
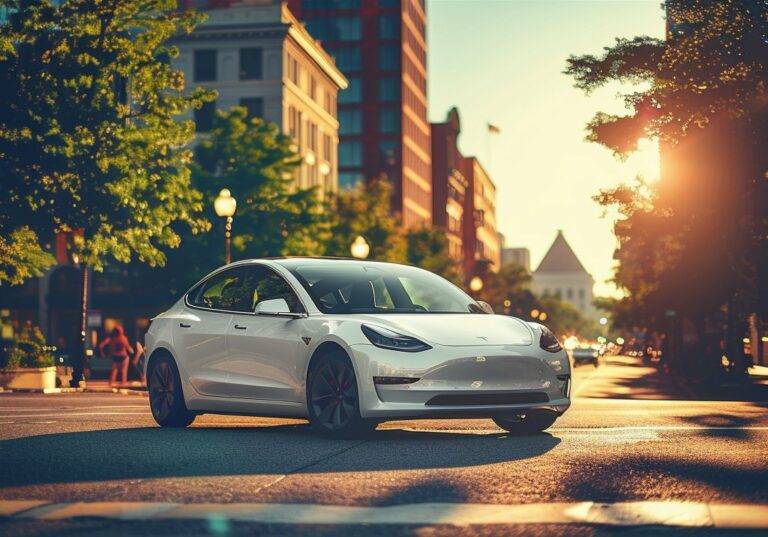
{"x":479,"y":399}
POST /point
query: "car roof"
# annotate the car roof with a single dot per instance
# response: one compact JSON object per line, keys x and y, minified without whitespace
{"x":294,"y":261}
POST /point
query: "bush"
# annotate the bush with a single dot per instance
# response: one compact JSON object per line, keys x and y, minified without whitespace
{"x":29,"y":349}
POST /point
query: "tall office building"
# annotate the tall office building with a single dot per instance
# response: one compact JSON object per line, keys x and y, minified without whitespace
{"x":380,"y":45}
{"x":481,"y":241}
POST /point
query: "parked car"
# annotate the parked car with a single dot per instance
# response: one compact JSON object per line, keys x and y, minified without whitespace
{"x":585,"y":355}
{"x":347,"y":344}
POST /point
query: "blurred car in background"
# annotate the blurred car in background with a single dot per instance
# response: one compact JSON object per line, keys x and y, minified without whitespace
{"x":585,"y":355}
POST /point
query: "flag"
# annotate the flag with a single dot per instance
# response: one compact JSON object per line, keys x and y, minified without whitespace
{"x":493,"y":129}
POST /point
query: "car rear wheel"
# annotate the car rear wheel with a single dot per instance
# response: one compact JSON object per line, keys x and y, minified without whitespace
{"x":166,"y":399}
{"x":532,"y":422}
{"x":332,"y":398}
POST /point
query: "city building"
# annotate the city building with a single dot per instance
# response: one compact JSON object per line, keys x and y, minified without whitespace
{"x":449,"y":186}
{"x":482,"y":247}
{"x":560,"y":274}
{"x":380,"y":45}
{"x":256,"y":54}
{"x":518,"y":256}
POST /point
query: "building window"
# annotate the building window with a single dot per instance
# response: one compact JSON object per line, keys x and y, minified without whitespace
{"x":350,"y":179}
{"x":293,"y":69}
{"x":354,"y":93}
{"x":335,"y":28}
{"x":389,"y":89}
{"x":581,"y":294}
{"x":204,"y":116}
{"x":388,"y":152}
{"x":205,"y":65}
{"x":350,"y":121}
{"x":254,"y":105}
{"x":327,"y":156}
{"x":348,"y":59}
{"x":389,"y":57}
{"x":569,"y":293}
{"x":330,"y":4}
{"x":389,"y":27}
{"x":350,"y":153}
{"x":312,"y":88}
{"x":250,"y":63}
{"x":389,"y":120}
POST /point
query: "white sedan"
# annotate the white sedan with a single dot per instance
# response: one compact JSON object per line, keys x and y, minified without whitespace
{"x":347,"y":344}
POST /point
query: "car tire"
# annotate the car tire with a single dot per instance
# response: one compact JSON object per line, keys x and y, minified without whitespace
{"x":533,"y":422}
{"x":333,"y":401}
{"x":166,"y":397}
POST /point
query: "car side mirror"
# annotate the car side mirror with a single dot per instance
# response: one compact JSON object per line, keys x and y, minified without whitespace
{"x":486,"y":307}
{"x":276,"y":306}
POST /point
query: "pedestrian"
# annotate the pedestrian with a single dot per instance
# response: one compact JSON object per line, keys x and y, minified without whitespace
{"x":139,"y":360}
{"x":119,"y":351}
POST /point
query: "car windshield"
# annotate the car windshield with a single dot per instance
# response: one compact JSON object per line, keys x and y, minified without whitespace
{"x":364,"y":288}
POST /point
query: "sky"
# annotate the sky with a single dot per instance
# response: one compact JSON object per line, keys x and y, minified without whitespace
{"x":501,"y":62}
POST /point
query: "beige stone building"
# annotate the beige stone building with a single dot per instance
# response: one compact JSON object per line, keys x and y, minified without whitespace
{"x":256,"y":54}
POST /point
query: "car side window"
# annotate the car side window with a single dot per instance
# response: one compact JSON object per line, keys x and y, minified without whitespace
{"x":231,"y":290}
{"x":271,"y":286}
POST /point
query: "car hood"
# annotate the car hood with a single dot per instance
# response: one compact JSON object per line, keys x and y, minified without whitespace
{"x":456,"y":330}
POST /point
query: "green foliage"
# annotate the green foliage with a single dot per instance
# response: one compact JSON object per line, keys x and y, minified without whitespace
{"x":366,"y":211}
{"x":89,"y":139}
{"x":428,"y":248}
{"x":257,"y":163}
{"x":699,"y":237}
{"x":21,"y":256}
{"x":510,"y":283}
{"x":29,"y":349}
{"x":565,"y":319}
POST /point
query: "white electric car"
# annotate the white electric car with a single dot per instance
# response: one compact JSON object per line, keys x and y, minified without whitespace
{"x":347,"y":344}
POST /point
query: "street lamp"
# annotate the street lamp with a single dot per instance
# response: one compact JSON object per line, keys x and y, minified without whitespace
{"x":360,"y":248}
{"x":603,"y":321}
{"x":476,"y":284}
{"x":225,"y":206}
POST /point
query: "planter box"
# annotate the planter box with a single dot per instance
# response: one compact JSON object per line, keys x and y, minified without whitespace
{"x":40,"y":378}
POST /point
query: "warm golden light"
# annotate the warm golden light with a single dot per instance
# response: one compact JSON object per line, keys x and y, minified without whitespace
{"x":542,"y":316}
{"x":476,"y":284}
{"x":535,"y":313}
{"x":360,"y":249}
{"x":224,"y":204}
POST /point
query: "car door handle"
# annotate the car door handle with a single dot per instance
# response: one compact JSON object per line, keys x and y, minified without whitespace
{"x":183,"y":325}
{"x":238,"y":327}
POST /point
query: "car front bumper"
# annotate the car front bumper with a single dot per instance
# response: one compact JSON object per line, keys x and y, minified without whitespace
{"x":477,"y":381}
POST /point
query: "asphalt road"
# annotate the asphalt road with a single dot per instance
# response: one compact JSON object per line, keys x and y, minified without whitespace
{"x":629,"y":436}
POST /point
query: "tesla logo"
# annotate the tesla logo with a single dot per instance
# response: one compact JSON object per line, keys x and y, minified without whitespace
{"x":306,"y":339}
{"x":477,"y":384}
{"x":480,"y":359}
{"x":483,"y":338}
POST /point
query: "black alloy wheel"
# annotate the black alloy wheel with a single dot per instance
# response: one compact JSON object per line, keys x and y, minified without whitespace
{"x":166,"y":399}
{"x":531,"y":422}
{"x":332,"y":397}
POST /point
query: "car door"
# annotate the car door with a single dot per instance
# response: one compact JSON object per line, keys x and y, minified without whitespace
{"x":266,"y":359}
{"x":200,"y":335}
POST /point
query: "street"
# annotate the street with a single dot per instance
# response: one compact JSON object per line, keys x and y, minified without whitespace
{"x":630,"y":436}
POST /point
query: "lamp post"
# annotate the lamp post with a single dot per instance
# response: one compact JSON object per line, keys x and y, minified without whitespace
{"x":360,"y":249}
{"x":225,"y":206}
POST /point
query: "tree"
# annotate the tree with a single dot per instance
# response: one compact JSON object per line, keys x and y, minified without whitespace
{"x":255,"y":161}
{"x":697,"y":239}
{"x":89,"y":137}
{"x":21,"y":255}
{"x":428,"y":248}
{"x":366,"y":211}
{"x":511,"y":283}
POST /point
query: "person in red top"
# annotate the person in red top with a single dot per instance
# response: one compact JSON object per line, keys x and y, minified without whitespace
{"x":119,"y":350}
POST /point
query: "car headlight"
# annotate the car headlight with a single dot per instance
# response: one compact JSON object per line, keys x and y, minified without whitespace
{"x":387,"y":339}
{"x":548,"y":340}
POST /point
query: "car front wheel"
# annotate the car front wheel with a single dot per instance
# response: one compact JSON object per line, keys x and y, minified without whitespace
{"x":533,"y":422}
{"x":166,"y":399}
{"x":332,"y":398}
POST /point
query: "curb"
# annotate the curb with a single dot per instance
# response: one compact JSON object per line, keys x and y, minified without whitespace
{"x":622,"y":514}
{"x":61,"y":391}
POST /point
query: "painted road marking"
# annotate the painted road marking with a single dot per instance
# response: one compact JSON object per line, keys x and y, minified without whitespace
{"x":656,"y":513}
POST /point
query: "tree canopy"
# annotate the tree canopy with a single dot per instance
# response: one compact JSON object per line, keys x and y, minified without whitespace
{"x":90,"y":140}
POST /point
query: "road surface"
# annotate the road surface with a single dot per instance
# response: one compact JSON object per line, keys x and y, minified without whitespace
{"x":630,"y":437}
